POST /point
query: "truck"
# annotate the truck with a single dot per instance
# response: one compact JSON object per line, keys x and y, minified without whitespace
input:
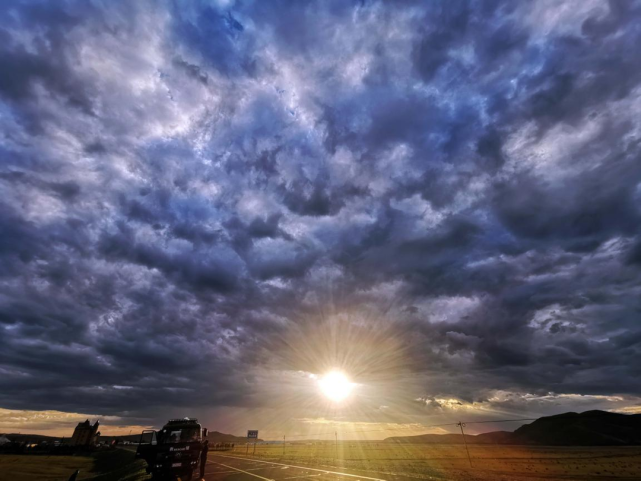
{"x":173,"y":451}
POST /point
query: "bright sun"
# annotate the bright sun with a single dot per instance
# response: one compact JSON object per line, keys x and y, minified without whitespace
{"x":335,"y":386}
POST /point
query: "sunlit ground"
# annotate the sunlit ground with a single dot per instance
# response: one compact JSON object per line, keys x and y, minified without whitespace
{"x":451,"y":462}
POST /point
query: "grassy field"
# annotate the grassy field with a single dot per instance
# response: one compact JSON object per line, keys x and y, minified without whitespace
{"x":105,"y":466}
{"x":451,"y":462}
{"x":439,"y":462}
{"x":19,"y":467}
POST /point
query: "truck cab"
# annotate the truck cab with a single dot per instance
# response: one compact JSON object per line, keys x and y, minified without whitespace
{"x":173,"y":451}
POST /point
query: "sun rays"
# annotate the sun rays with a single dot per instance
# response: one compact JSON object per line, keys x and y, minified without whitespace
{"x":336,"y":386}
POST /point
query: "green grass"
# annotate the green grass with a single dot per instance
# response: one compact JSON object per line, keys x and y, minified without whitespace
{"x":24,"y":467}
{"x":116,"y":465}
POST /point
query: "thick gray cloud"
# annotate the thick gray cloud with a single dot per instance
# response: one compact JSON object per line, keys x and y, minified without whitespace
{"x":196,"y":196}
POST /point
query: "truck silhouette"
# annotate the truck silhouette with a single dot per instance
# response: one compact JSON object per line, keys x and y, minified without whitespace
{"x":174,"y":451}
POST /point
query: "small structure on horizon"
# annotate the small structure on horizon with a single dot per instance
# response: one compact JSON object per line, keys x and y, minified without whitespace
{"x":85,"y":434}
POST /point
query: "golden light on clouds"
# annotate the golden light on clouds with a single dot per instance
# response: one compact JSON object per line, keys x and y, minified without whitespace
{"x":57,"y":423}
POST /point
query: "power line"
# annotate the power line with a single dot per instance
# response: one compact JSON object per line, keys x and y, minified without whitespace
{"x":501,"y":421}
{"x":428,"y":426}
{"x":422,"y":426}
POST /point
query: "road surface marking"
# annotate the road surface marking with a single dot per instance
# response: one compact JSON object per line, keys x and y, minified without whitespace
{"x":243,"y":471}
{"x":227,"y":472}
{"x":305,"y":476}
{"x":303,"y":467}
{"x":248,"y":469}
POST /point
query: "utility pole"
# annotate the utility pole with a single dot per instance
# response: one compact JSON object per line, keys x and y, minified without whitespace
{"x":336,"y":437}
{"x":254,"y":451}
{"x":283,"y":445}
{"x":462,"y":425}
{"x":246,"y":449}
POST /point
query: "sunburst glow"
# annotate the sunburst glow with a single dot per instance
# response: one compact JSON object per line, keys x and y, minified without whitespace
{"x":336,"y":386}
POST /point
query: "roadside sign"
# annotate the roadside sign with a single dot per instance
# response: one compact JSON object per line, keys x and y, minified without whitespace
{"x":252,"y":434}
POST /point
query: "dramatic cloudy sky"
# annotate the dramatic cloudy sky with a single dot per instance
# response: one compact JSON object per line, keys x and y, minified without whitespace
{"x":204,"y":205}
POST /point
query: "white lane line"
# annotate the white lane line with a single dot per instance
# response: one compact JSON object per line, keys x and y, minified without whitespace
{"x":248,"y":469}
{"x":227,"y":472}
{"x":305,"y":476}
{"x":243,"y":471}
{"x":303,"y":467}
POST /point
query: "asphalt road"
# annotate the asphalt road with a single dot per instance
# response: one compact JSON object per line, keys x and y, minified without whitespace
{"x":223,"y":467}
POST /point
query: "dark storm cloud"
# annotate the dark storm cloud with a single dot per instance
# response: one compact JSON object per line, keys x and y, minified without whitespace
{"x":193,"y":193}
{"x":48,"y":62}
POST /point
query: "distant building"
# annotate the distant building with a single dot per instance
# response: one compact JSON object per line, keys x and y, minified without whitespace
{"x":85,"y":434}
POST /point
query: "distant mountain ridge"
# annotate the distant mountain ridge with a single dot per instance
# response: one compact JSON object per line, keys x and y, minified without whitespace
{"x":30,"y":438}
{"x":213,"y":437}
{"x":590,"y":428}
{"x":216,"y":437}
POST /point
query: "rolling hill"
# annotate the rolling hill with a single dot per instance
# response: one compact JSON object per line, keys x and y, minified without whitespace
{"x":590,"y":428}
